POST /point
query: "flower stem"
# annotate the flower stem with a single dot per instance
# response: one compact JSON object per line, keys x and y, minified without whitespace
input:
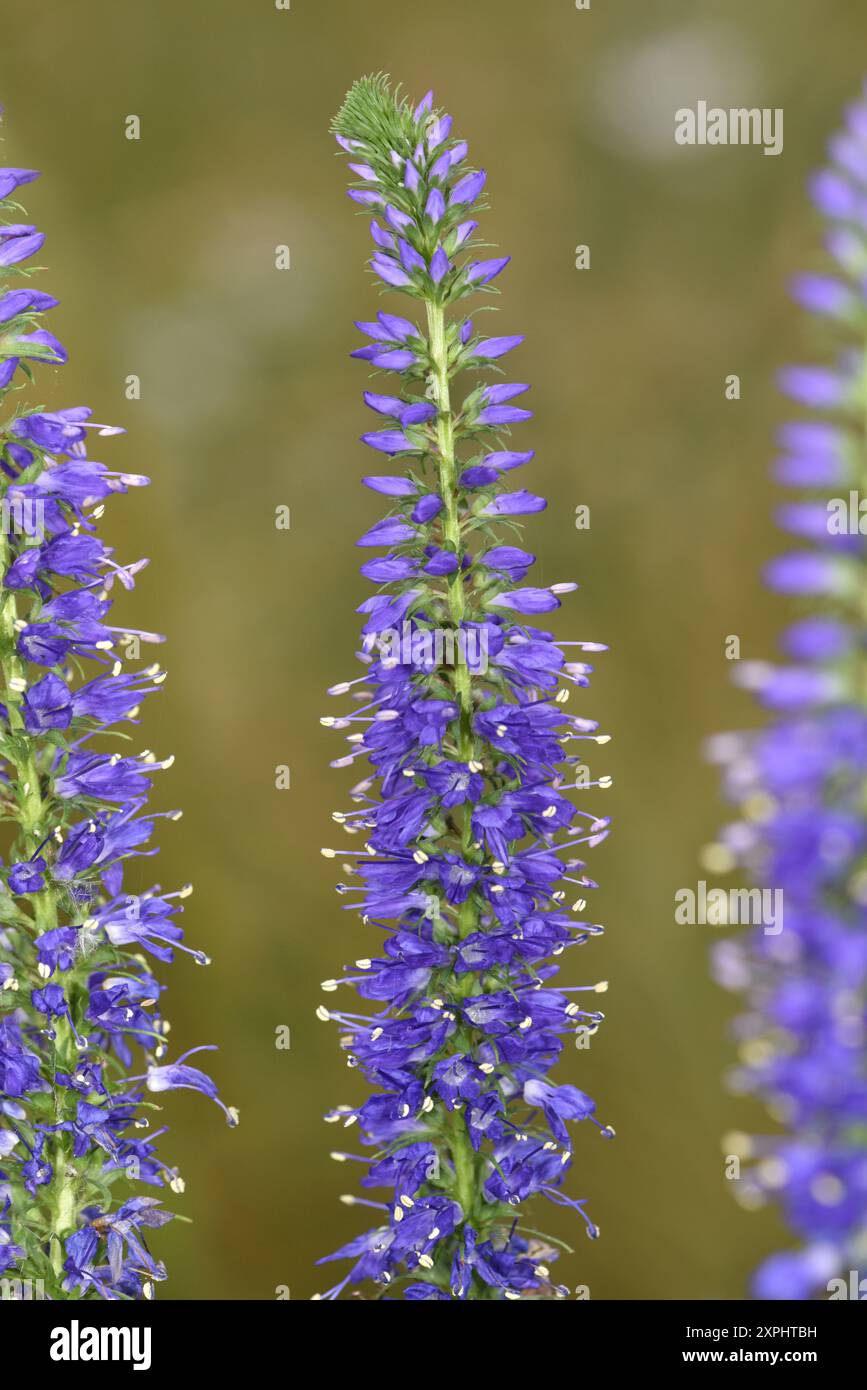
{"x":449,"y":493}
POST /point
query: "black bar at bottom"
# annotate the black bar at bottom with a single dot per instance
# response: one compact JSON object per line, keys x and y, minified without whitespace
{"x":653,"y":1337}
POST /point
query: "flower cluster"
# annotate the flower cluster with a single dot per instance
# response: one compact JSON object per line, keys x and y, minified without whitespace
{"x":461,"y":713}
{"x":82,"y":1037}
{"x":800,"y":787}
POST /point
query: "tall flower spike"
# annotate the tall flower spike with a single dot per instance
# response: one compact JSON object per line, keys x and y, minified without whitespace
{"x":82,"y":1038}
{"x":461,"y":713}
{"x":800,"y":786}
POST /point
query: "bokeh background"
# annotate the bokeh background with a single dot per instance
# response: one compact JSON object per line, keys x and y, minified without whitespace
{"x":163,"y":253}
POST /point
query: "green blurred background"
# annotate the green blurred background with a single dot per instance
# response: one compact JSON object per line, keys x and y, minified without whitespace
{"x":162,"y":252}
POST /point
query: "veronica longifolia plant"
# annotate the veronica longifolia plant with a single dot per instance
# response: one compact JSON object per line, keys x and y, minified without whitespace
{"x":461,"y":712}
{"x":82,"y":1039}
{"x":800,"y":785}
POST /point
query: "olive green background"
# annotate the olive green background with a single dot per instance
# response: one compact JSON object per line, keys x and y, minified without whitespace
{"x":162,"y":252}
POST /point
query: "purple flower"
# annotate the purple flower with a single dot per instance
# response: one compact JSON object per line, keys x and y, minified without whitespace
{"x":520,"y":503}
{"x":797,"y":785}
{"x":79,"y":1009}
{"x":388,"y":441}
{"x":482,"y":272}
{"x":178,"y":1077}
{"x":490,"y":348}
{"x":28,"y":877}
{"x":17,"y":241}
{"x":467,"y":189}
{"x":461,"y":815}
{"x":389,"y":271}
{"x":10,"y":179}
{"x":435,"y":206}
{"x":439,"y":266}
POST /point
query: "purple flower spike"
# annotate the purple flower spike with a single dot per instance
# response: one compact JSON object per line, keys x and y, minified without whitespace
{"x":82,"y":1035}
{"x":467,"y":802}
{"x":797,"y":785}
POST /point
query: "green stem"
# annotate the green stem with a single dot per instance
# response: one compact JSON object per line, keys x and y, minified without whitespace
{"x":60,"y":1194}
{"x":467,"y":1176}
{"x":452,"y":523}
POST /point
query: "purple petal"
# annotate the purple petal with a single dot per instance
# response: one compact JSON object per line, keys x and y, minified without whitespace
{"x":526,"y":600}
{"x":418,"y":413}
{"x":391,"y":486}
{"x":400,"y":328}
{"x":439,"y":131}
{"x":423,"y":107}
{"x":397,"y":360}
{"x":467,"y":189}
{"x":435,"y":206}
{"x":397,"y":219}
{"x":10,"y":179}
{"x":387,"y":441}
{"x":384,"y":405}
{"x":520,"y":503}
{"x":817,"y":387}
{"x":389,"y":271}
{"x":478,"y":476}
{"x":506,"y":459}
{"x":463,"y":233}
{"x":390,"y":531}
{"x":440,"y":265}
{"x":496,"y":347}
{"x":366,"y":197}
{"x":17,"y":248}
{"x":503,"y":415}
{"x":391,"y":570}
{"x":806,"y":573}
{"x":409,"y":257}
{"x":482,"y":272}
{"x":443,"y":562}
{"x":427,"y":508}
{"x":383,"y":239}
{"x":822,"y":294}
